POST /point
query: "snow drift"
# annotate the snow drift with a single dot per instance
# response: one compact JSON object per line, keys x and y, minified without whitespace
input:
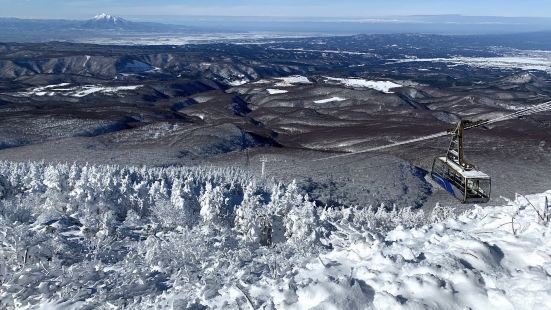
{"x":84,"y":236}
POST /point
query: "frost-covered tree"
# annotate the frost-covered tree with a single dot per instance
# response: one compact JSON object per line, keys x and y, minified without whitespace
{"x":213,"y":206}
{"x":127,"y":235}
{"x":53,"y":180}
{"x":440,"y":213}
{"x":302,"y":223}
{"x":253,"y":219}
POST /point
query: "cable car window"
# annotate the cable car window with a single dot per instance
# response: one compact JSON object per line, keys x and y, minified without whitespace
{"x":455,"y":178}
{"x":485,"y":187}
{"x":478,"y":188}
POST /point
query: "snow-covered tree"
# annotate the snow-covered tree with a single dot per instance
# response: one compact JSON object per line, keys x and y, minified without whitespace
{"x":213,"y":206}
{"x":253,"y":219}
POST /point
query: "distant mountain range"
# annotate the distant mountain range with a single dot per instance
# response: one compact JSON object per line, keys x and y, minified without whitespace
{"x":39,"y":30}
{"x":109,"y":22}
{"x":108,"y":29}
{"x":102,"y":21}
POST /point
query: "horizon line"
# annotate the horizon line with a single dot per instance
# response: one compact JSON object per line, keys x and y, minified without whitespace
{"x":335,"y":18}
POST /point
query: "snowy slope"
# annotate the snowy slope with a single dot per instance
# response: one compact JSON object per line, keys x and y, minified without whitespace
{"x":382,"y":86}
{"x":82,"y":236}
{"x":106,"y":21}
{"x":528,"y":60}
{"x":472,"y":262}
{"x":292,"y":80}
{"x":65,"y":89}
{"x":274,"y":91}
{"x":103,"y":17}
{"x":332,"y":99}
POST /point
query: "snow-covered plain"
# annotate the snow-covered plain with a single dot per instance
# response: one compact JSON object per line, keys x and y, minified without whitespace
{"x":244,"y":38}
{"x":76,"y":91}
{"x":82,"y":236}
{"x":326,"y":51}
{"x":382,"y":86}
{"x":529,"y":60}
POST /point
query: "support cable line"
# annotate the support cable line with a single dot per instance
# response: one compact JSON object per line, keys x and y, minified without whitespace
{"x":378,"y":148}
{"x":546,"y":106}
{"x":543,"y":107}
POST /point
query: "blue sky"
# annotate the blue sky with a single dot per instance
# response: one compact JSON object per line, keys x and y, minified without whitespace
{"x":80,"y":9}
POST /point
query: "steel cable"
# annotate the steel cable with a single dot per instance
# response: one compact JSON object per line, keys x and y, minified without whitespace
{"x":542,"y":107}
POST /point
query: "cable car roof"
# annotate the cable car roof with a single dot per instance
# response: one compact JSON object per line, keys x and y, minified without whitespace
{"x":469,"y":174}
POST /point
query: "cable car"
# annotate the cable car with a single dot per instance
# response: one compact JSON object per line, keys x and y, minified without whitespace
{"x":458,"y":177}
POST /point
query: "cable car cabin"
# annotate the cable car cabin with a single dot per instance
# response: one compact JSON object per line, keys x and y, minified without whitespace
{"x":467,"y":185}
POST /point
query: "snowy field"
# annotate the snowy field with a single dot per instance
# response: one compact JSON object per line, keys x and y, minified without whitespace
{"x":528,"y":60}
{"x":242,"y":38}
{"x":82,"y":236}
{"x":64,"y":89}
{"x":292,"y":80}
{"x":382,"y":86}
{"x":326,"y":51}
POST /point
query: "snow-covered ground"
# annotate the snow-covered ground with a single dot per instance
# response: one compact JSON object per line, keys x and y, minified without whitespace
{"x":64,"y":89}
{"x":529,"y":60}
{"x":495,"y":257}
{"x":291,"y":80}
{"x":274,"y":91}
{"x":244,"y":38}
{"x":326,"y":51}
{"x":382,"y":86}
{"x":83,"y":236}
{"x":332,"y":99}
{"x":238,"y":82}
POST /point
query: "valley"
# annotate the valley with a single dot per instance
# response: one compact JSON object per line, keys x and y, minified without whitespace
{"x":293,"y":100}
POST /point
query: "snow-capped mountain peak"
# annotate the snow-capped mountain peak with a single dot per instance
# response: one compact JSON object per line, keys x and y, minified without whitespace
{"x":103,"y":17}
{"x":106,"y":21}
